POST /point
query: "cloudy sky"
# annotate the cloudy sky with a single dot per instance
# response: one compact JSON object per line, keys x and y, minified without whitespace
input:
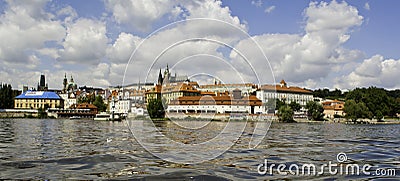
{"x":334,"y":44}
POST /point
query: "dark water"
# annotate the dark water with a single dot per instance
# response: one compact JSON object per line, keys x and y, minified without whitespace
{"x":86,"y":149}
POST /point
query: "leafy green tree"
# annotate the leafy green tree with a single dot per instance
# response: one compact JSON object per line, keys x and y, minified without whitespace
{"x":270,"y":105}
{"x":295,"y":106}
{"x":356,"y":110}
{"x":99,"y":103}
{"x":155,"y":108}
{"x":315,"y":111}
{"x":279,"y":104}
{"x":379,"y":115}
{"x":285,"y":114}
{"x":7,"y":96}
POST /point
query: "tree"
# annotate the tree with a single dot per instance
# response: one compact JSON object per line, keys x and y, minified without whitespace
{"x":6,"y":96}
{"x":270,"y":105}
{"x":279,"y":104}
{"x":315,"y":111}
{"x":99,"y":103}
{"x":155,"y":108}
{"x":379,"y":115}
{"x":356,"y":110}
{"x":285,"y":114}
{"x":295,"y":106}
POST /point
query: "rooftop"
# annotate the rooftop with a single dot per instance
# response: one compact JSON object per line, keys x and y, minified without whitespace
{"x":38,"y":95}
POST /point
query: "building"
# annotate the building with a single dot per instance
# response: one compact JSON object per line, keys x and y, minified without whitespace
{"x":42,"y":85}
{"x":224,"y":104}
{"x":38,"y":99}
{"x":332,"y":108}
{"x":168,"y":78}
{"x":246,"y":88}
{"x":70,"y":86}
{"x":284,"y":93}
{"x":83,"y":110}
{"x":182,"y":89}
{"x":69,"y":99}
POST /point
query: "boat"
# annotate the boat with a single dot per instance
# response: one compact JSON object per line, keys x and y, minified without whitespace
{"x":107,"y":117}
{"x":102,"y":117}
{"x":75,"y":117}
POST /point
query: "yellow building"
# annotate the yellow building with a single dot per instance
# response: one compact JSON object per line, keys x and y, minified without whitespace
{"x":38,"y":99}
{"x":332,"y":108}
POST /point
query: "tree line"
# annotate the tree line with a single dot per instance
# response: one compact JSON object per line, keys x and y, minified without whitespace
{"x":371,"y":103}
{"x":7,"y":95}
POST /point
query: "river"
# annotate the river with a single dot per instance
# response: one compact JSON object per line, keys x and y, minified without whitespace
{"x":59,"y":149}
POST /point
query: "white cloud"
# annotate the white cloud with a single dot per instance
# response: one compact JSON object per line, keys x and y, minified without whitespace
{"x":257,"y":3}
{"x":309,"y":58}
{"x":269,"y":9}
{"x":139,"y":14}
{"x":85,"y":42}
{"x":331,"y":16}
{"x":376,"y":71}
{"x":123,"y":47}
{"x":366,"y":6}
{"x":25,"y":27}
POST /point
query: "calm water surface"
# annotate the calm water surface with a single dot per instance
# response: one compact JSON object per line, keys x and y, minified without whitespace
{"x":86,"y":149}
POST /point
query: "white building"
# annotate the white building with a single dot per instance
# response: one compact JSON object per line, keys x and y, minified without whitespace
{"x":246,"y":89}
{"x":284,"y":93}
{"x":69,"y":99}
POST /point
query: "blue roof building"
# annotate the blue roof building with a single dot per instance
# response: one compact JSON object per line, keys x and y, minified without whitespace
{"x":38,"y":99}
{"x":38,"y":95}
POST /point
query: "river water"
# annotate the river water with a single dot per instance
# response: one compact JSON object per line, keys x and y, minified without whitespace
{"x":86,"y":149}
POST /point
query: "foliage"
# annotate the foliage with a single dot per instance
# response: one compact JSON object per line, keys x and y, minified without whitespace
{"x":326,"y":93}
{"x":285,"y":114}
{"x":42,"y":114}
{"x":87,"y":99}
{"x":99,"y":103}
{"x":379,"y":115}
{"x":295,"y":106}
{"x":155,"y":108}
{"x":7,"y":96}
{"x":279,"y":104}
{"x":270,"y":105}
{"x":376,"y":100}
{"x":315,"y":111}
{"x":355,"y":110}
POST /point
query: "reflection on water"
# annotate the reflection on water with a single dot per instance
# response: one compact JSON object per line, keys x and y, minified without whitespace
{"x":85,"y":149}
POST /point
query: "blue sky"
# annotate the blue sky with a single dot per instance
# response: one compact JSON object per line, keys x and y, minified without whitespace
{"x":313,"y":44}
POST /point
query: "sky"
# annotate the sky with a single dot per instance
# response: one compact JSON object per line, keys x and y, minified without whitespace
{"x":311,"y":44}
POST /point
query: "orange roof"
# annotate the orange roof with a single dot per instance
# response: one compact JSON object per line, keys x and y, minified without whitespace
{"x":218,"y":100}
{"x":228,"y":85}
{"x":279,"y":88}
{"x":83,"y":106}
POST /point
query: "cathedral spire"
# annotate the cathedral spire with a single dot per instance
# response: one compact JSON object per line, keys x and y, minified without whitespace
{"x":160,"y":78}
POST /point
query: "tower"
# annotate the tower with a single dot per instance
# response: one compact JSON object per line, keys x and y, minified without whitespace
{"x":160,"y":78}
{"x":42,"y":86}
{"x":65,"y":82}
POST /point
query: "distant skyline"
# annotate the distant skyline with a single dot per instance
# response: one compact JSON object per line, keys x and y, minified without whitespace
{"x":312,"y":44}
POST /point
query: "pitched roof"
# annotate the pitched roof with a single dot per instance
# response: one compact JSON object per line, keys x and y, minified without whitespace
{"x":38,"y":95}
{"x":279,"y":88}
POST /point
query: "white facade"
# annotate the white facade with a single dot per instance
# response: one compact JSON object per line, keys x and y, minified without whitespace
{"x":221,"y":109}
{"x":69,"y":100}
{"x":123,"y":106}
{"x":301,"y":98}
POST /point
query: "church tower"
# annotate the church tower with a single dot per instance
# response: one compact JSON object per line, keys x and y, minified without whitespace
{"x":160,"y":78}
{"x":65,"y":82}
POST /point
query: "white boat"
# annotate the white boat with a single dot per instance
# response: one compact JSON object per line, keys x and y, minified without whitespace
{"x":107,"y":117}
{"x":102,"y":117}
{"x":75,"y":117}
